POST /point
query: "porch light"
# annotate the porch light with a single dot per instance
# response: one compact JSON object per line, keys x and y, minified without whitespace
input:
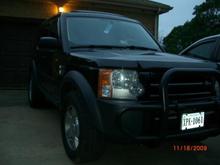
{"x":61,"y":9}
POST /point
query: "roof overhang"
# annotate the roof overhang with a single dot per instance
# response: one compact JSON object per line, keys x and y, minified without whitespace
{"x":148,"y":5}
{"x":141,"y":4}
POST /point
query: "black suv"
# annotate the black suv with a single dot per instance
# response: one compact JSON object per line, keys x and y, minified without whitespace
{"x":111,"y":79}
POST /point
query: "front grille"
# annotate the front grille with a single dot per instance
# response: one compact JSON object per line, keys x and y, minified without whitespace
{"x":194,"y":91}
{"x":181,"y":88}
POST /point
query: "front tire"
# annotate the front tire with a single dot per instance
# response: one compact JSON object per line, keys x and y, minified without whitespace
{"x":82,"y":142}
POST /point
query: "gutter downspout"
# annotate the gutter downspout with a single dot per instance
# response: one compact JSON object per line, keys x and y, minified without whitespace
{"x":156,"y":27}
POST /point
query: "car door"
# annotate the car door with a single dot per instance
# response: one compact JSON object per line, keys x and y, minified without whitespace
{"x":48,"y":61}
{"x":204,"y":50}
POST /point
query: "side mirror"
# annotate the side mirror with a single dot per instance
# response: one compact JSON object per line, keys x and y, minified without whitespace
{"x":48,"y":43}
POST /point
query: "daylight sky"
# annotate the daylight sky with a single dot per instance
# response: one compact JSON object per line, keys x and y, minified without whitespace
{"x":181,"y":12}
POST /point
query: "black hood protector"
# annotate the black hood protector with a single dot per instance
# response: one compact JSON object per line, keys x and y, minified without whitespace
{"x":133,"y":59}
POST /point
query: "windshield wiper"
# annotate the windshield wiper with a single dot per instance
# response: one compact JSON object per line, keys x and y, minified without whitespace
{"x":112,"y":47}
{"x":139,"y":47}
{"x":94,"y":46}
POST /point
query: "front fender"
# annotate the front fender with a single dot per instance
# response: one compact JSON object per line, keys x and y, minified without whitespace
{"x":75,"y":81}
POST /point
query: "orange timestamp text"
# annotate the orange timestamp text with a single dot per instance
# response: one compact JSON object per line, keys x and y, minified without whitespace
{"x":196,"y":148}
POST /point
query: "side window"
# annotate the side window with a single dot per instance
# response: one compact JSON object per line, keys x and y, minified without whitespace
{"x":49,"y":29}
{"x":53,"y":28}
{"x":204,"y":50}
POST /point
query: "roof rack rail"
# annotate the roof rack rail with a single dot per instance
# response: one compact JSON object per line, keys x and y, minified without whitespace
{"x":98,"y":12}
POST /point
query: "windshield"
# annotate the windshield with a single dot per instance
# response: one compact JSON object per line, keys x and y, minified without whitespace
{"x":84,"y":31}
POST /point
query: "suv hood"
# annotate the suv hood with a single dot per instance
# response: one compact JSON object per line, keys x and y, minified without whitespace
{"x":137,"y":59}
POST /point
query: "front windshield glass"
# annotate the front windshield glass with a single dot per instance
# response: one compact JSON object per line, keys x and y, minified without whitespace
{"x":84,"y":31}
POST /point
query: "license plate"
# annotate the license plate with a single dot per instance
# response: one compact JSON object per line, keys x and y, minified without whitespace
{"x":192,"y":120}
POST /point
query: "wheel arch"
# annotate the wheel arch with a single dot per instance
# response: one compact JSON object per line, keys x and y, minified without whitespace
{"x":75,"y":81}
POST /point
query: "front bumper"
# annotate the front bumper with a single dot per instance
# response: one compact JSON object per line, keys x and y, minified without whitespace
{"x":158,"y":120}
{"x":142,"y":121}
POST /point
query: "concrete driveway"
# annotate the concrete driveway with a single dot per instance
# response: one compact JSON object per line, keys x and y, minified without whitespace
{"x":32,"y":137}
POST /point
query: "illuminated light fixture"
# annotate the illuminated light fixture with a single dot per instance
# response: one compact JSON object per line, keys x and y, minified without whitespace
{"x":119,"y":84}
{"x":61,"y":9}
{"x":105,"y":87}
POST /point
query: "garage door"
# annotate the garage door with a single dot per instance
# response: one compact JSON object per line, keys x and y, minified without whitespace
{"x":17,"y":44}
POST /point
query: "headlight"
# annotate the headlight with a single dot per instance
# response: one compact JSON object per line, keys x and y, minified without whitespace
{"x":119,"y":84}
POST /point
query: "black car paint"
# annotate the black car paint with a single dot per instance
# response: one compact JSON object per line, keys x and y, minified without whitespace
{"x":57,"y":70}
{"x":115,"y":58}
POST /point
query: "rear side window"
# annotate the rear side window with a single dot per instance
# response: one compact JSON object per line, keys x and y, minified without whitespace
{"x":204,"y":50}
{"x":49,"y":29}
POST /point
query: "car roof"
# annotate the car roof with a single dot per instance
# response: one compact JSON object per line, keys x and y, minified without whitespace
{"x":209,"y":37}
{"x":90,"y":13}
{"x":201,"y":40}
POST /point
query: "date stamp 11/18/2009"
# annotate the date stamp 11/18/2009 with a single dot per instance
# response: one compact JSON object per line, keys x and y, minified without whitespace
{"x":195,"y":148}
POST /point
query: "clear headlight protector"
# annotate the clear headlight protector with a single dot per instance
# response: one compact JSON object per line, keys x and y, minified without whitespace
{"x":123,"y":84}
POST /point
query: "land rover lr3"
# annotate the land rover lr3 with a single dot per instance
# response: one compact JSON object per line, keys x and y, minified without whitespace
{"x":111,"y":79}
